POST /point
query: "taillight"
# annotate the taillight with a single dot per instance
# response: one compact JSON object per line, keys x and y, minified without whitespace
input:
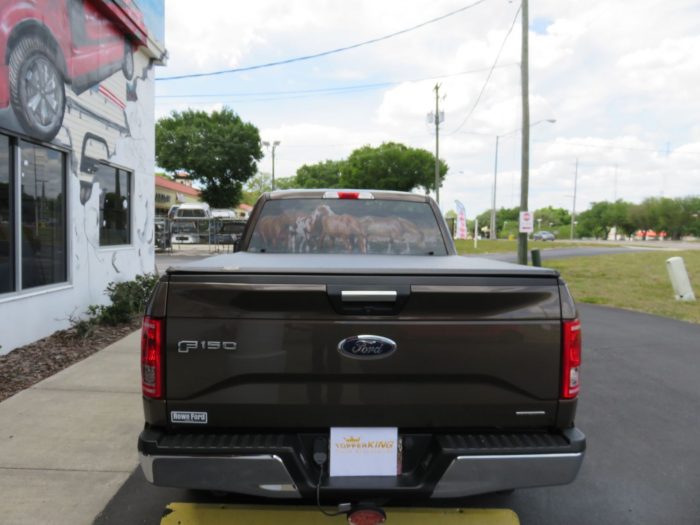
{"x":152,"y":357}
{"x":571,"y":358}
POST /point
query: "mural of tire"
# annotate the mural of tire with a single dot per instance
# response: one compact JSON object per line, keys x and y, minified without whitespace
{"x":128,"y":64}
{"x":37,"y":90}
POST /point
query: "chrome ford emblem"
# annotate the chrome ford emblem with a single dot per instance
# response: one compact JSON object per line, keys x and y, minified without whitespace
{"x":367,"y":347}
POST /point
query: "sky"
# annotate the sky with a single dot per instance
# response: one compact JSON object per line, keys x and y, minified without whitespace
{"x":621,"y":79}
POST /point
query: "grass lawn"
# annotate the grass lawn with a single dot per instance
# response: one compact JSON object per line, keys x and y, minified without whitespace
{"x":635,"y":281}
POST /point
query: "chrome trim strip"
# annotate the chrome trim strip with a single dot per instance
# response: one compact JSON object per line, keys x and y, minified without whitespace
{"x":267,"y":287}
{"x":470,"y":475}
{"x":261,"y":475}
{"x":530,"y":413}
{"x":356,"y":296}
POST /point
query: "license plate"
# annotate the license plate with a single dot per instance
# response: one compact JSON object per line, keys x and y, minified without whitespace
{"x":370,"y":451}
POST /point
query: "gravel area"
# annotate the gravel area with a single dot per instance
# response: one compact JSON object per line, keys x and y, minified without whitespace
{"x":29,"y":364}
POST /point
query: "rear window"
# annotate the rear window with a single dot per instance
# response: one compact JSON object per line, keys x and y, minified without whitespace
{"x":193,"y":213}
{"x":347,"y":226}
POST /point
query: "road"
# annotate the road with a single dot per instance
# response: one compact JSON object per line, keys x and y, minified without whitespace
{"x":564,"y":253}
{"x":638,"y":407}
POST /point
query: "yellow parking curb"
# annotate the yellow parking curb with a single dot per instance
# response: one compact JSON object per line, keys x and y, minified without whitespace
{"x":212,"y":514}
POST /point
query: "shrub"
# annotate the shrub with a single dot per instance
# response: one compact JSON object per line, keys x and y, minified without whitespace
{"x":128,"y":300}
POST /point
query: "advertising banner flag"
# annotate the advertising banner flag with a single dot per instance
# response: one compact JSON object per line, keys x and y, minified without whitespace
{"x":461,"y":221}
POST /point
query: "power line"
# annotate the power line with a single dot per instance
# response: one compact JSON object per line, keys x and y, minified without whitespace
{"x":624,"y":148}
{"x":328,"y":90}
{"x":488,"y":77}
{"x":326,"y":53}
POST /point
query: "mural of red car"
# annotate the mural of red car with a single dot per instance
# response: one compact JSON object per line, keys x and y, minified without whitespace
{"x":48,"y":44}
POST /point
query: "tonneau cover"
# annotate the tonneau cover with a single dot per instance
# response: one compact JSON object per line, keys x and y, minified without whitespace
{"x":270,"y":263}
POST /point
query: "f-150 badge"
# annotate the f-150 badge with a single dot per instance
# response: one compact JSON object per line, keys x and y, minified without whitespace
{"x":367,"y":347}
{"x":184,"y":347}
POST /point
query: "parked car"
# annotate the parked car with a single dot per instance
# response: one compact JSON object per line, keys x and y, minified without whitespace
{"x":185,"y":232}
{"x":543,"y":235}
{"x":49,"y":43}
{"x":222,"y":213}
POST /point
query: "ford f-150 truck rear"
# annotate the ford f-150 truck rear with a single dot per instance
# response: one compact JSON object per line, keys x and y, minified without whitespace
{"x":347,"y":311}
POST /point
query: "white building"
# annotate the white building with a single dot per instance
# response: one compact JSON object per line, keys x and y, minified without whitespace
{"x":77,"y":156}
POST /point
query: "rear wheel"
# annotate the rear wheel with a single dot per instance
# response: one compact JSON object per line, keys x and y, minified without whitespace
{"x":37,"y":91}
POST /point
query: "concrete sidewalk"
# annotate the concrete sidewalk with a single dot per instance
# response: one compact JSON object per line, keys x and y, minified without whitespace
{"x":69,"y":442}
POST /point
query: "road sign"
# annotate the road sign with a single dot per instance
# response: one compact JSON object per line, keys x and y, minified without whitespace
{"x":527,"y":220}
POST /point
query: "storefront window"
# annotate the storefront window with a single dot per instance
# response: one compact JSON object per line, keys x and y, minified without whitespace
{"x":43,"y":229}
{"x":7,"y":257}
{"x":115,"y":205}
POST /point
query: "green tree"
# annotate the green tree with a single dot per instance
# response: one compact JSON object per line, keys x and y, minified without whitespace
{"x":325,"y":174}
{"x":286,"y":183}
{"x":692,"y":206}
{"x":552,"y":217}
{"x":504,"y":217}
{"x":667,"y":215}
{"x":596,"y":221}
{"x":256,"y":186}
{"x":218,"y":150}
{"x":620,"y":216}
{"x":640,"y":217}
{"x":391,"y":166}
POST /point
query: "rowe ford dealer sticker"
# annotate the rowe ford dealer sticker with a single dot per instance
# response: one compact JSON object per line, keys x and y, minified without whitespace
{"x":364,"y":451}
{"x":200,"y":418}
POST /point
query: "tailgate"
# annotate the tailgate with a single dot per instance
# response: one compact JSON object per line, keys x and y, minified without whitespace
{"x":262,"y":351}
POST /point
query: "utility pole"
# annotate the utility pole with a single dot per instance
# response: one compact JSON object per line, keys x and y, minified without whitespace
{"x":275,"y":143}
{"x":573,"y":207}
{"x":615,"y":196}
{"x":525,"y":161}
{"x":437,"y":143}
{"x":492,"y":233}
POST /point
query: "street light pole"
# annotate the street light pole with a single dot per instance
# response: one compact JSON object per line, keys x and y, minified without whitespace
{"x":274,"y":146}
{"x":437,"y":143}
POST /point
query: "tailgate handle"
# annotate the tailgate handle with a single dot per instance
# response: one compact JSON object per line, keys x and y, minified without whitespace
{"x":373,"y":296}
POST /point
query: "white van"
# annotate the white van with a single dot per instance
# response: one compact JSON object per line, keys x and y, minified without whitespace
{"x":190,"y":210}
{"x":185,"y":226}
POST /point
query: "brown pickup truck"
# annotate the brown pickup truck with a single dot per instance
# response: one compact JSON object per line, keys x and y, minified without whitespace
{"x":345,"y":315}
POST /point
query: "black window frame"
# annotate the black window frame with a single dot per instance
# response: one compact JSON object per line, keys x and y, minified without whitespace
{"x":55,"y":269}
{"x":110,"y":237}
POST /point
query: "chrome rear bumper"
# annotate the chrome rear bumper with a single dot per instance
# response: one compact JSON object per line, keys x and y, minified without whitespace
{"x":263,"y":475}
{"x":279,"y":466}
{"x":470,"y":475}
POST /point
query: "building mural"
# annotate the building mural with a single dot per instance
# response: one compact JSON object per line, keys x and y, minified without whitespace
{"x":76,"y":83}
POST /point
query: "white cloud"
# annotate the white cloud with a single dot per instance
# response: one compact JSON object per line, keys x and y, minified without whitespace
{"x":620,"y":81}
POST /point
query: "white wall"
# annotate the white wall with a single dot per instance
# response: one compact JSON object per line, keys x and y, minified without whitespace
{"x":33,"y":314}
